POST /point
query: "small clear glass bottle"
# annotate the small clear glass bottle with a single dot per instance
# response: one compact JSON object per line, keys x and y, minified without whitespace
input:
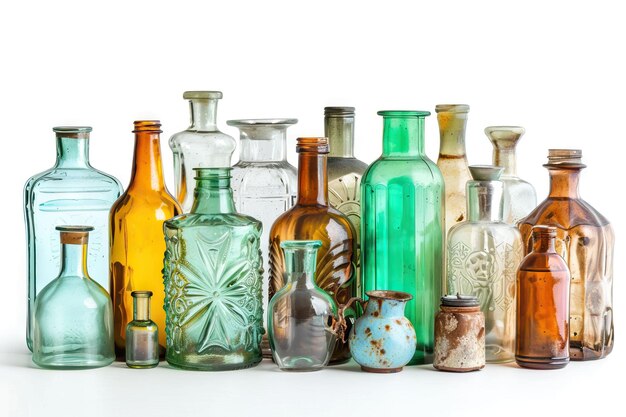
{"x":201,"y":145}
{"x":483,"y":254}
{"x":142,"y":334}
{"x":519,"y":197}
{"x":301,"y":315}
{"x":73,"y":314}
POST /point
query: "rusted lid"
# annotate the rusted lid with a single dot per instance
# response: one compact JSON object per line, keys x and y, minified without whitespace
{"x":459,"y":301}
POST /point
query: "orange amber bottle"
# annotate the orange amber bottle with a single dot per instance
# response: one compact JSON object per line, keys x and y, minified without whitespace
{"x":312,"y":219}
{"x":543,"y":282}
{"x":136,"y":235}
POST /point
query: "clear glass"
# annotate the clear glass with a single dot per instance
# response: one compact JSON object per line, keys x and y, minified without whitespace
{"x":300,"y":315}
{"x":212,"y":274}
{"x":543,"y":292}
{"x":344,"y":172}
{"x":136,"y":234}
{"x":585,"y":239}
{"x":402,"y":224}
{"x":202,"y":145}
{"x":312,"y":219}
{"x":519,"y":197}
{"x":452,"y":161}
{"x":142,"y":334}
{"x":73,"y":317}
{"x":483,"y":254}
{"x":71,"y":192}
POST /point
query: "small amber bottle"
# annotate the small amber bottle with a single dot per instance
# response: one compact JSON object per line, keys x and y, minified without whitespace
{"x":543,"y":285}
{"x":142,"y":334}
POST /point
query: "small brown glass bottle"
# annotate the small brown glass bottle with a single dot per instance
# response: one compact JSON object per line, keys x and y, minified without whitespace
{"x":543,"y":282}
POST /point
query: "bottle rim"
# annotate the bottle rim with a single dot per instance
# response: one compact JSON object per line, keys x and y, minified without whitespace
{"x":403,"y":113}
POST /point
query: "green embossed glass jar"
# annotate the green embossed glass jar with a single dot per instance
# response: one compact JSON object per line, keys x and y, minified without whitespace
{"x":212,"y":275}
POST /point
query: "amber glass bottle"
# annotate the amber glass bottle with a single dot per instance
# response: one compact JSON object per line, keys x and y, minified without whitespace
{"x":542,"y":325}
{"x":312,"y":219}
{"x":136,"y":235}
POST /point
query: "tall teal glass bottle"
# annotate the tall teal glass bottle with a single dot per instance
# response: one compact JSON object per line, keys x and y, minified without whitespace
{"x":402,"y":224}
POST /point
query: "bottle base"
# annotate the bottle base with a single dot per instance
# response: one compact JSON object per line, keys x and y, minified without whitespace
{"x":541,"y":363}
{"x":73,"y":361}
{"x":381,"y":370}
{"x":214,"y":367}
{"x":448,"y":369}
{"x":142,"y":365}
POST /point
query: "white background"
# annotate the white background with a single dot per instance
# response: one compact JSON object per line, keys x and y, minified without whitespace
{"x":553,"y":67}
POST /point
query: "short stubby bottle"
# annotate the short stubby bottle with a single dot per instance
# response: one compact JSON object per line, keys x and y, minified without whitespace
{"x":585,"y":239}
{"x":313,"y":219}
{"x":71,"y":192}
{"x":483,"y":254}
{"x":201,"y":145}
{"x":402,"y":236}
{"x":73,"y":317}
{"x":519,"y":197}
{"x":301,"y":315}
{"x":212,"y":274}
{"x":543,"y":292}
{"x":142,"y":334}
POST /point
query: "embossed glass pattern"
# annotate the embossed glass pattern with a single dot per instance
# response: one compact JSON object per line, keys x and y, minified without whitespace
{"x":212,"y":274}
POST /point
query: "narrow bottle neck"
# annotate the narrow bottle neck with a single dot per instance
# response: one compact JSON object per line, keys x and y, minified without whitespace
{"x":484,"y":201}
{"x":544,"y":243}
{"x":312,"y":179}
{"x":505,"y":158}
{"x":73,"y":152}
{"x":403,"y":136}
{"x":300,"y":264}
{"x":564,"y":183}
{"x":74,"y":260}
{"x":213,"y":197}
{"x":147,"y":166}
{"x":340,"y":134}
{"x":266,"y":144}
{"x":452,"y":133}
{"x":203,"y":115}
{"x":141,"y":309}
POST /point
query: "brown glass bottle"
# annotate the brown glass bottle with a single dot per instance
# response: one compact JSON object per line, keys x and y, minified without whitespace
{"x":312,"y":219}
{"x":542,"y":321}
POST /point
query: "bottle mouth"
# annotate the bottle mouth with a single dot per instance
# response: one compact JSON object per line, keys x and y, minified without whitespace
{"x":301,"y":244}
{"x":202,"y":95}
{"x":203,"y":173}
{"x":72,"y":129}
{"x":403,"y":113}
{"x":141,"y":294}
{"x":452,"y":108}
{"x":565,"y":158}
{"x":485,"y":172}
{"x":340,"y":111}
{"x":317,"y":145}
{"x":543,"y":230}
{"x":389,"y":295}
{"x":262,"y":122}
{"x":147,"y":126}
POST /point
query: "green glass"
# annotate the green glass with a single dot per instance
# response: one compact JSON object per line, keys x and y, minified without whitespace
{"x":402,"y":224}
{"x":213,"y":275}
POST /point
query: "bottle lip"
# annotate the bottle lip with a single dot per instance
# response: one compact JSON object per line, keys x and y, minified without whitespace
{"x":318,"y":145}
{"x":544,"y":230}
{"x":147,"y":126}
{"x":301,"y":244}
{"x":141,"y":294}
{"x":565,"y":158}
{"x":452,"y":108}
{"x":202,"y":95}
{"x":389,"y":295}
{"x":212,"y":173}
{"x":403,"y":113}
{"x":262,"y":122}
{"x":74,"y":229}
{"x":72,"y":131}
{"x":505,"y":128}
{"x":338,"y":111}
{"x":485,"y":172}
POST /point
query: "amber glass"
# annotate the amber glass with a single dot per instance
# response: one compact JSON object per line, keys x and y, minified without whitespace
{"x":136,"y":235}
{"x":312,"y":219}
{"x":584,"y":238}
{"x":542,"y":329}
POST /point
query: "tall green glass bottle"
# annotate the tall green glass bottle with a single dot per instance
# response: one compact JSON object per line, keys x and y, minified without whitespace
{"x":402,"y":224}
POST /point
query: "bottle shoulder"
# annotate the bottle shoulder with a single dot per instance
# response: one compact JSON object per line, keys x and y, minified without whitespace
{"x":389,"y":170}
{"x":544,"y":261}
{"x":74,"y":289}
{"x":191,"y":139}
{"x":195,"y":220}
{"x":271,"y":175}
{"x":160,"y":204}
{"x":565,"y":213}
{"x":468,"y":232}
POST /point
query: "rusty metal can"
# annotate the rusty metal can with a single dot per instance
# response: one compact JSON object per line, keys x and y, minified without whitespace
{"x":459,"y":334}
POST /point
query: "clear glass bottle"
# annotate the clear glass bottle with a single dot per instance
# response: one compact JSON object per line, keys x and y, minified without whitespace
{"x":136,"y":234}
{"x":142,"y":334}
{"x":452,"y":160}
{"x":202,"y":145}
{"x":483,"y":255}
{"x":402,"y":224}
{"x":519,"y":197}
{"x":71,"y":192}
{"x":73,"y":317}
{"x":313,"y":219}
{"x":543,"y":292}
{"x":585,"y":239}
{"x":212,"y":273}
{"x":301,"y":315}
{"x":344,"y":172}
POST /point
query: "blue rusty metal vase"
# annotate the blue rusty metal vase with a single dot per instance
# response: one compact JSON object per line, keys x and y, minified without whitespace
{"x":383,"y":339}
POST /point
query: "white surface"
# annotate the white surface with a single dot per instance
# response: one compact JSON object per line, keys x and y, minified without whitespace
{"x":555,"y":68}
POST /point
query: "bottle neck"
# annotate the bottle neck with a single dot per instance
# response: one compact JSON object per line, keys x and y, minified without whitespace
{"x":403,"y":136}
{"x":74,"y":260}
{"x":505,"y":158}
{"x":300,"y":265}
{"x":141,"y":308}
{"x":544,"y":243}
{"x":203,"y":115}
{"x":147,"y":166}
{"x":312,"y":179}
{"x":263,"y":144}
{"x":73,"y":152}
{"x":484,"y":201}
{"x":564,"y":183}
{"x":213,"y":196}
{"x":340,"y":134}
{"x":452,"y":134}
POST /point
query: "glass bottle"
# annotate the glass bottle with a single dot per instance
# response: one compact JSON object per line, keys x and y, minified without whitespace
{"x":344,"y":171}
{"x":584,"y":238}
{"x":483,"y":255}
{"x":73,"y":318}
{"x":519,"y":196}
{"x":71,"y":192}
{"x":212,"y":273}
{"x":136,"y":234}
{"x":202,"y":145}
{"x":452,"y":160}
{"x":543,"y":292}
{"x":313,"y":219}
{"x":402,"y":224}
{"x":142,"y":334}
{"x":301,"y":315}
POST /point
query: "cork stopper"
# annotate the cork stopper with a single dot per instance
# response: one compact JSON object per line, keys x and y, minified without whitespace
{"x":74,"y":235}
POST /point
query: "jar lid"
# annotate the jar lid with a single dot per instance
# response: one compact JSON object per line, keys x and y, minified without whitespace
{"x":339,"y":111}
{"x":459,"y":301}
